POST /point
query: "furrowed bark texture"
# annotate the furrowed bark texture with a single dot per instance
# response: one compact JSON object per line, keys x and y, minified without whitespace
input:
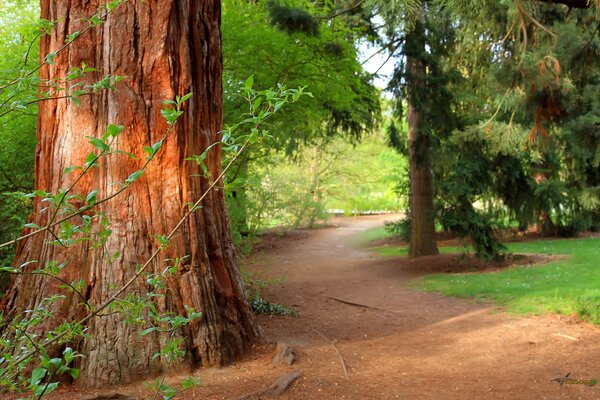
{"x":422,"y":218}
{"x":164,"y":48}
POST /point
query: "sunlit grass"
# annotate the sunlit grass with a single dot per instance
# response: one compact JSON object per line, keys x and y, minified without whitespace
{"x":372,"y":234}
{"x":395,"y":251}
{"x":565,"y":286}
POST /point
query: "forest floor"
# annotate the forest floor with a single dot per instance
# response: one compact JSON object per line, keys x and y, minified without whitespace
{"x":395,"y":342}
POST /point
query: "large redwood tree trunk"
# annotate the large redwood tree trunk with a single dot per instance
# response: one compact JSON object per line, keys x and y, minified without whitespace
{"x":422,"y":216}
{"x":164,"y":48}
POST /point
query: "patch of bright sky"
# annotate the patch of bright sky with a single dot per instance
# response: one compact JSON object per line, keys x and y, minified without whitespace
{"x":376,"y":61}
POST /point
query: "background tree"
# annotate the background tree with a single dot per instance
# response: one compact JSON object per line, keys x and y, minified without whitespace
{"x":420,"y":37}
{"x":532,"y":79}
{"x":511,"y":79}
{"x":173,"y":50}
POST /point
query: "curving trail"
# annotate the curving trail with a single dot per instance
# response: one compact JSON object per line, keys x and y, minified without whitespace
{"x":410,"y":345}
{"x":406,"y":344}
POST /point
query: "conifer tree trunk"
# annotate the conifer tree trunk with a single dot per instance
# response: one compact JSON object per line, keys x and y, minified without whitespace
{"x":164,"y":48}
{"x":422,"y":217}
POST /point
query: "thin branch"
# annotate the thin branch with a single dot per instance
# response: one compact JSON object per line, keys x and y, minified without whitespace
{"x":593,"y":35}
{"x":82,"y":209}
{"x":342,"y":362}
{"x":39,"y":100}
{"x":24,"y":332}
{"x":52,"y":375}
{"x":115,"y":296}
{"x":57,"y":52}
{"x":396,"y":43}
{"x":26,"y":60}
{"x":342,"y":12}
{"x":351,"y":303}
{"x":157,"y":392}
{"x":58,"y":279}
{"x":57,"y":239}
{"x":498,"y":108}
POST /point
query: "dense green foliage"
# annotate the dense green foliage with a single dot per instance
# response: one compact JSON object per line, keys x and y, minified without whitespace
{"x":513,"y":92}
{"x":333,"y":177}
{"x":281,"y":43}
{"x":18,"y":44}
{"x":539,"y":148}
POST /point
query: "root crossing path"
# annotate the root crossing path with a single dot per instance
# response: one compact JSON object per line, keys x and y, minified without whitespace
{"x":363,"y":334}
{"x":399,"y":343}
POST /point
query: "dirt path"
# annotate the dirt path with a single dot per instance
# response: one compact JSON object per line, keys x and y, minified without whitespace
{"x":425,"y":346}
{"x":409,"y":345}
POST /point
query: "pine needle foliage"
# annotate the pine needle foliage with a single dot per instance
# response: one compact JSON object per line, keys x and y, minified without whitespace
{"x":291,"y":18}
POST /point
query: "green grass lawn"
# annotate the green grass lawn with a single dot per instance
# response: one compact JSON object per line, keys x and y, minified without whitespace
{"x":392,"y":251}
{"x":369,"y":235}
{"x":565,"y":286}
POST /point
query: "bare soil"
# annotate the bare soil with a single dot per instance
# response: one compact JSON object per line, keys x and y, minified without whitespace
{"x":401,"y":343}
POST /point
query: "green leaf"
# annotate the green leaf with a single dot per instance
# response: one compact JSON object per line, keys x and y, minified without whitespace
{"x":91,"y":159}
{"x":45,"y":389}
{"x":56,"y":362}
{"x":50,"y":58}
{"x":114,"y":130}
{"x":128,"y":154}
{"x":74,"y":372}
{"x":135,"y":176}
{"x":91,"y":197}
{"x":36,"y":376}
{"x":156,"y":146}
{"x":163,"y":240}
{"x":249,"y":83}
{"x":189,"y":383}
{"x":72,"y":37}
{"x":99,"y":144}
{"x":149,"y":151}
{"x":95,"y":21}
{"x":149,"y":330}
{"x":171,"y":115}
{"x":256,"y":103}
{"x":185,"y":98}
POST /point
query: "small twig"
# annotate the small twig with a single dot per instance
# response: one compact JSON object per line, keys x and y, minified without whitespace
{"x":342,"y":12}
{"x":342,"y":362}
{"x":60,"y":50}
{"x":351,"y":303}
{"x":85,"y":302}
{"x":493,"y":117}
{"x":52,"y":375}
{"x":162,"y":380}
{"x":593,"y":34}
{"x":565,"y":336}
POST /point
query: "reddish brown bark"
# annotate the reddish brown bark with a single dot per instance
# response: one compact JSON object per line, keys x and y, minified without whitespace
{"x":422,"y":216}
{"x":164,"y":48}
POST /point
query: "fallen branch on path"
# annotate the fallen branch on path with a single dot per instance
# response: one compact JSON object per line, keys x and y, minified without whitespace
{"x":351,"y":303}
{"x":565,"y":336}
{"x":342,"y":362}
{"x":275,"y":389}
